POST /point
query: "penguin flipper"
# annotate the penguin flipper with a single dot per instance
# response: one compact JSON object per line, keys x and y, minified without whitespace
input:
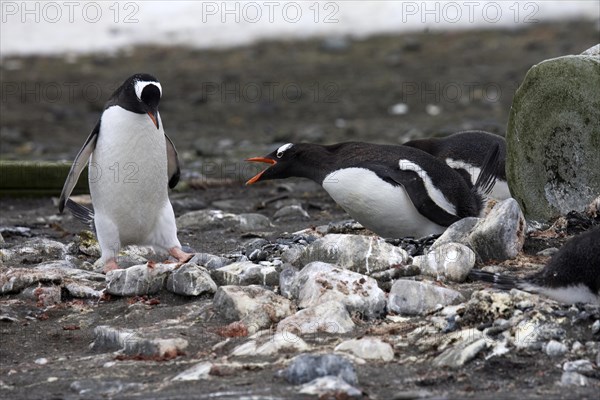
{"x":498,"y":280}
{"x":173,"y":167}
{"x":80,"y":212}
{"x":414,"y":186}
{"x":78,"y":165}
{"x":489,"y":171}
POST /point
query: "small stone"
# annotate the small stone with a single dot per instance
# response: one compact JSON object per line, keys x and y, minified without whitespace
{"x":246,"y":273}
{"x":16,"y":279}
{"x":33,"y":251}
{"x":417,"y":298}
{"x":132,"y":342}
{"x":41,"y":361}
{"x":368,"y":349}
{"x":573,"y":379}
{"x":585,"y":367}
{"x":363,"y":254}
{"x":319,"y":282}
{"x":291,"y":213}
{"x":596,"y":327}
{"x":306,"y":367}
{"x":335,"y":44}
{"x":398,"y":109}
{"x":138,"y":280}
{"x":450,"y":261}
{"x":217,"y":219}
{"x":259,"y":308}
{"x":458,"y":232}
{"x":555,"y":349}
{"x":501,"y":235}
{"x":286,"y":280}
{"x":330,"y":317}
{"x":209,"y":261}
{"x":190,"y":280}
{"x":412,"y":395}
{"x":331,"y":387}
{"x":108,"y":389}
{"x":195,"y":373}
{"x":270,"y":344}
{"x":460,"y":354}
{"x":550,"y":251}
{"x":45,"y":296}
{"x":254,"y":223}
{"x":82,"y":291}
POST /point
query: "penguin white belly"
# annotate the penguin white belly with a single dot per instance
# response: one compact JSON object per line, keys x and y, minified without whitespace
{"x":128,"y":179}
{"x":500,"y":190}
{"x":567,"y":294}
{"x":384,"y":208}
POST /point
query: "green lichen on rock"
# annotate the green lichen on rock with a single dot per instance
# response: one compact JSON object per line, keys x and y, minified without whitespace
{"x":553,"y":137}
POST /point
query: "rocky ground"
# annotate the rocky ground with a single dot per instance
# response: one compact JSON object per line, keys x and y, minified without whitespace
{"x":261,"y":311}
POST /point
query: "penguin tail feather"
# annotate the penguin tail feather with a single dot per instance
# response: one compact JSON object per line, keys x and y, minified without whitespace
{"x":499,"y":281}
{"x":489,"y":171}
{"x":80,"y":212}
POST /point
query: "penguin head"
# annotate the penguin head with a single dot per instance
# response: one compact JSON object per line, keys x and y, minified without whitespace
{"x":140,"y":94}
{"x":282,"y":163}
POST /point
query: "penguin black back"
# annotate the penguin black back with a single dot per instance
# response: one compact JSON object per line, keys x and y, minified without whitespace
{"x":468,"y":146}
{"x":577,"y":263}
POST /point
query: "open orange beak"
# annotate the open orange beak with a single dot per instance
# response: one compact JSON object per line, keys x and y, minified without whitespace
{"x":256,"y":177}
{"x":153,"y":117}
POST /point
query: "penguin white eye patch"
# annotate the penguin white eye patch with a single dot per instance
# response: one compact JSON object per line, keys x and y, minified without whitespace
{"x":140,"y":85}
{"x":282,"y":149}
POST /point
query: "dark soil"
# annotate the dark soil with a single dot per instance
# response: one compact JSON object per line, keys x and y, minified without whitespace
{"x":213,"y":134}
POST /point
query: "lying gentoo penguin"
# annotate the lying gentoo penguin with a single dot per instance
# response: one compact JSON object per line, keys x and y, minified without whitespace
{"x":466,"y":151}
{"x":132,"y":165}
{"x":395,"y":191}
{"x":571,"y":276}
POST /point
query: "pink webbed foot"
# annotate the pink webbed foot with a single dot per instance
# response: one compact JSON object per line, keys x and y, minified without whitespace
{"x":110,"y":265}
{"x":180,"y":255}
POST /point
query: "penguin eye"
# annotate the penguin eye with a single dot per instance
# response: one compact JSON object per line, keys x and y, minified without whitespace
{"x":282,"y":149}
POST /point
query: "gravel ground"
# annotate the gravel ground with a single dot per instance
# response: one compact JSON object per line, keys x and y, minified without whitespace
{"x":354,"y":87}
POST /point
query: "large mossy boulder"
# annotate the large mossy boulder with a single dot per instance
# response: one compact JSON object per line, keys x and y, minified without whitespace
{"x":553,"y":137}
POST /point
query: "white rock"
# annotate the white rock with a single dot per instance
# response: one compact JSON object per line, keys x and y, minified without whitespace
{"x":133,"y":342}
{"x":257,"y":307}
{"x":270,"y":344}
{"x":197,"y":372}
{"x":246,"y":273}
{"x":33,"y":251}
{"x":581,"y":366}
{"x":460,"y":354}
{"x":368,"y":348}
{"x":414,"y":298}
{"x":138,"y":280}
{"x":319,"y":282}
{"x":363,"y":254}
{"x":555,"y":349}
{"x":190,"y":280}
{"x":450,"y":261}
{"x":573,"y":379}
{"x":217,"y":219}
{"x":329,"y":317}
{"x":330,"y":386}
{"x":499,"y":236}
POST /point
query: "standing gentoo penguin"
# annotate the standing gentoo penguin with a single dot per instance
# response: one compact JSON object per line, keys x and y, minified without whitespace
{"x":395,"y":191}
{"x":132,"y":165}
{"x":571,"y":276}
{"x":466,"y":151}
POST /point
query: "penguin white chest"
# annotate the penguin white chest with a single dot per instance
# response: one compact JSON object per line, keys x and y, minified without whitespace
{"x":128,"y":172}
{"x":384,"y":208}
